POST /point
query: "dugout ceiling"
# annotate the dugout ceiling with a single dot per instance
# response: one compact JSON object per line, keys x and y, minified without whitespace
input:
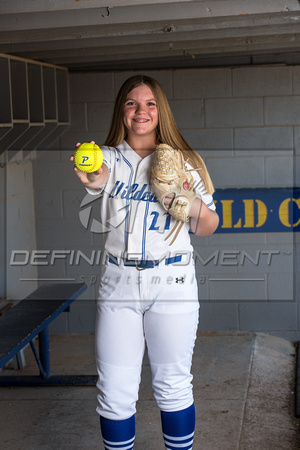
{"x":40,"y":40}
{"x":151,"y":34}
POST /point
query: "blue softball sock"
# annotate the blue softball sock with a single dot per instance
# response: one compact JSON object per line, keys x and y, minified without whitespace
{"x":178,"y":428}
{"x":118,"y":434}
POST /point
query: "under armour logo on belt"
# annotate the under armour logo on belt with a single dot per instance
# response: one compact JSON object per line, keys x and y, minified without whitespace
{"x":180,"y":280}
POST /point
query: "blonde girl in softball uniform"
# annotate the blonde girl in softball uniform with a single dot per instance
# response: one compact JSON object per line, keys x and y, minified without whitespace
{"x":148,"y":290}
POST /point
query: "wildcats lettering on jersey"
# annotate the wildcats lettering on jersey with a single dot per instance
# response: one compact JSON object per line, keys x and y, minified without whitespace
{"x":132,"y":192}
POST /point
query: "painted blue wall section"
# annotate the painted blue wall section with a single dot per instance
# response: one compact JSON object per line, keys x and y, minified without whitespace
{"x":261,"y":210}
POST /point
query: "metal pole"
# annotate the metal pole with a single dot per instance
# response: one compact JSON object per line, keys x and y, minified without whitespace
{"x":44,"y":352}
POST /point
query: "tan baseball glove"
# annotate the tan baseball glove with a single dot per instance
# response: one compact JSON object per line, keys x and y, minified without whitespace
{"x":169,"y":175}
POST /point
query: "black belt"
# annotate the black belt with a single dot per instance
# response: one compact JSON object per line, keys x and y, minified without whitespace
{"x":142,"y":264}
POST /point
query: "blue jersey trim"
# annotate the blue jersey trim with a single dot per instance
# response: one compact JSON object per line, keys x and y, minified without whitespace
{"x":127,"y":202}
{"x":145,"y":230}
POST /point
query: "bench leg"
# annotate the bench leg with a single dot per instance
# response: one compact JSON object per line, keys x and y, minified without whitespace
{"x":43,"y":358}
{"x":44,"y":352}
{"x":19,"y":360}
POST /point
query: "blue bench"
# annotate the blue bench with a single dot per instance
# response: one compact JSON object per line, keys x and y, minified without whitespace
{"x":27,"y":320}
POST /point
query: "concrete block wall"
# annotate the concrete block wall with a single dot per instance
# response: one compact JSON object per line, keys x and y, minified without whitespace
{"x":18,"y":228}
{"x":245,"y":122}
{"x":2,"y":234}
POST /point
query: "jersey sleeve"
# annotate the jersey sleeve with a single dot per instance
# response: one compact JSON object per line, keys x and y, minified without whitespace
{"x":201,"y":191}
{"x":108,"y":156}
{"x":107,"y":160}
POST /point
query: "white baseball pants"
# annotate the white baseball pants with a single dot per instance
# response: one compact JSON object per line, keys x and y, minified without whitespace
{"x":136,"y":310}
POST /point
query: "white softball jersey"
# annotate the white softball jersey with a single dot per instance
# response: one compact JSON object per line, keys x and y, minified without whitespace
{"x":138,"y":225}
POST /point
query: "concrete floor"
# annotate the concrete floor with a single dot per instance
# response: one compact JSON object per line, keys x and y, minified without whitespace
{"x":244,"y":395}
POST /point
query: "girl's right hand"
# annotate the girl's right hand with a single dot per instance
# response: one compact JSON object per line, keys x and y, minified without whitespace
{"x":93,"y":180}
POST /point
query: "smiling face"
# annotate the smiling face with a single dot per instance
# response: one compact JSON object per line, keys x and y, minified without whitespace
{"x":140,"y":112}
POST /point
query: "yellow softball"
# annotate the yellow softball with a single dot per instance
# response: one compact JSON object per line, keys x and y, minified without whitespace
{"x":88,"y":157}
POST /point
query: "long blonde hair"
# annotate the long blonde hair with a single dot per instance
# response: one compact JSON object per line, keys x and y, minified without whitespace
{"x":167,"y":129}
